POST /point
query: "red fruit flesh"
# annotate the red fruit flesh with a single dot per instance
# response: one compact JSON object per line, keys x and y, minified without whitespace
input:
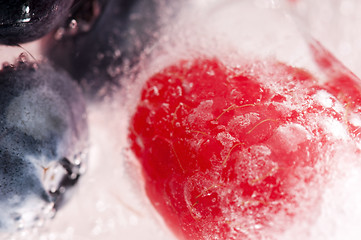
{"x":235,"y":152}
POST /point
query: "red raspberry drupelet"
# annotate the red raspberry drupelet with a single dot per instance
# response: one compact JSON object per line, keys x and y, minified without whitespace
{"x":238,"y":152}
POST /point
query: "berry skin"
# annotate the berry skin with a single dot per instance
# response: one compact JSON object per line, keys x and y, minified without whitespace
{"x":236,"y":152}
{"x":43,"y":132}
{"x":25,"y":21}
{"x":122,"y":31}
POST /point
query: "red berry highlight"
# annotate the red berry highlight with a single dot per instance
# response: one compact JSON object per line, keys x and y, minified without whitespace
{"x":236,"y":152}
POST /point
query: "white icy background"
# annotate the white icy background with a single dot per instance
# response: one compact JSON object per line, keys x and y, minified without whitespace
{"x":109,"y":202}
{"x":336,"y":23}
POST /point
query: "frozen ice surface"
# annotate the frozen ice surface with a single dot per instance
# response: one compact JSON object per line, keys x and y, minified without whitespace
{"x":110,"y":202}
{"x":333,"y":142}
{"x":208,"y":35}
{"x":335,"y":23}
{"x":41,"y":135}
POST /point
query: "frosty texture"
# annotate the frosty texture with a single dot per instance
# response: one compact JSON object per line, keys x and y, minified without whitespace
{"x":112,"y":46}
{"x":239,"y":152}
{"x":43,"y":133}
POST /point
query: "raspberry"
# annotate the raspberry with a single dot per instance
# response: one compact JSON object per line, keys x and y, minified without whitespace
{"x":236,"y":152}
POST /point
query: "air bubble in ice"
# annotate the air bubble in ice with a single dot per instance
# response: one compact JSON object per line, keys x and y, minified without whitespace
{"x":291,"y":135}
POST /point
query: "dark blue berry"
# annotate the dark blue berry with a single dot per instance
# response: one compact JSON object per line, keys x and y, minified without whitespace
{"x":43,"y":136}
{"x":26,"y":20}
{"x":99,"y":57}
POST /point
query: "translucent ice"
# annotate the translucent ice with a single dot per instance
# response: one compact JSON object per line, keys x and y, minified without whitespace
{"x":111,"y":202}
{"x":43,"y":139}
{"x":263,"y":180}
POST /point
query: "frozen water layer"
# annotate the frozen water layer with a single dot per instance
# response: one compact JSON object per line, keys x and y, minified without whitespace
{"x":343,"y":15}
{"x":42,"y":140}
{"x":109,"y":202}
{"x":231,"y":29}
{"x":264,"y":179}
{"x":339,"y":214}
